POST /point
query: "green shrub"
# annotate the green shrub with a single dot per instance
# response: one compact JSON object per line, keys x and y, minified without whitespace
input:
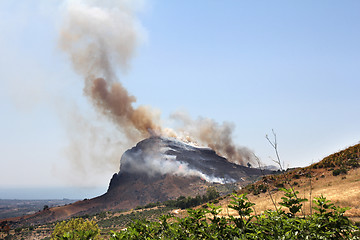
{"x":262,"y":188}
{"x":76,"y":228}
{"x":328,"y":222}
{"x":339,"y":171}
{"x":187,"y":202}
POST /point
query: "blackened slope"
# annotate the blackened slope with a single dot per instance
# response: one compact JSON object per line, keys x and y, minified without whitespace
{"x":166,"y":151}
{"x":136,"y":184}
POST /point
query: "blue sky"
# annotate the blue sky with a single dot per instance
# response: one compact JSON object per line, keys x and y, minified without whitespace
{"x":291,"y":66}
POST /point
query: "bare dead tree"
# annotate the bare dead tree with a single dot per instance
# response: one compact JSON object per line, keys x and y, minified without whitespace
{"x":274,"y":144}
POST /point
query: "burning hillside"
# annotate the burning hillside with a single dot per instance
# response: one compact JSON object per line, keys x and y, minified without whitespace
{"x":158,"y":169}
{"x":160,"y":156}
{"x":155,"y":170}
{"x":100,"y":40}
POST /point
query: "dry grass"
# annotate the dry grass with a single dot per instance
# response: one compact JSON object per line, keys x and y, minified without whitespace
{"x":342,"y":190}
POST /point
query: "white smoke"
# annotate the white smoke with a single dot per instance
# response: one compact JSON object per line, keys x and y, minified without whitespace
{"x":154,"y":160}
{"x":100,"y":39}
{"x":100,"y":36}
{"x":205,"y":131}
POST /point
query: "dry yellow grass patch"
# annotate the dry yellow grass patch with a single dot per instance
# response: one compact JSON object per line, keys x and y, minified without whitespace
{"x":342,"y":190}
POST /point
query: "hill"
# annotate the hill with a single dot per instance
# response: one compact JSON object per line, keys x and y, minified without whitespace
{"x":337,"y":177}
{"x":155,"y":170}
{"x":342,"y":188}
{"x":158,"y":169}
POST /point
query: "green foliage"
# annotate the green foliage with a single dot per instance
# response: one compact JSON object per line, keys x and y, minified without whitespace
{"x":337,"y":172}
{"x":211,"y":193}
{"x":328,"y":222}
{"x":76,"y":228}
{"x":151,"y":205}
{"x":257,"y":189}
{"x":291,"y":201}
{"x":348,"y":158}
{"x":123,"y":220}
{"x":241,"y":204}
{"x":187,"y":202}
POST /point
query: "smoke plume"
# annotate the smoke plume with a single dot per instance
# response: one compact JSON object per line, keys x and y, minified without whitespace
{"x":152,"y":159}
{"x":100,"y":40}
{"x":159,"y":156}
{"x":219,"y":137}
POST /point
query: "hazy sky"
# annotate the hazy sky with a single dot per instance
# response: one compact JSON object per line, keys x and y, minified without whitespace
{"x":291,"y":66}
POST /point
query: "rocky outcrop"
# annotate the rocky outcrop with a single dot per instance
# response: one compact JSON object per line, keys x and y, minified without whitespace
{"x":156,"y":169}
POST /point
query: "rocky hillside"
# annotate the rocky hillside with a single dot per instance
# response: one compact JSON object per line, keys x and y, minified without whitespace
{"x":157,"y":169}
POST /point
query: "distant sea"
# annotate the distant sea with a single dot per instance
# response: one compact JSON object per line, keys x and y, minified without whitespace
{"x":79,"y":193}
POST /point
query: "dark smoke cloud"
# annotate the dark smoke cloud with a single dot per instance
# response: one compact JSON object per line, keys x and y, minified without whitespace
{"x":100,"y":40}
{"x":115,"y":102}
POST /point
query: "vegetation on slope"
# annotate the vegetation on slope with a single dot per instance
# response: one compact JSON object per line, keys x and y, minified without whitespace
{"x":187,"y":202}
{"x":328,"y":222}
{"x":323,"y":220}
{"x":348,"y":158}
{"x":338,"y":164}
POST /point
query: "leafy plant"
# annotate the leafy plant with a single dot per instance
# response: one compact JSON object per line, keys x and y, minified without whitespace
{"x":328,"y":222}
{"x":337,"y":172}
{"x":76,"y":228}
{"x":291,"y":201}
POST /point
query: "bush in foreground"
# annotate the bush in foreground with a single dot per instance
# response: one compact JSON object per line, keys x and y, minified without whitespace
{"x":328,"y":222}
